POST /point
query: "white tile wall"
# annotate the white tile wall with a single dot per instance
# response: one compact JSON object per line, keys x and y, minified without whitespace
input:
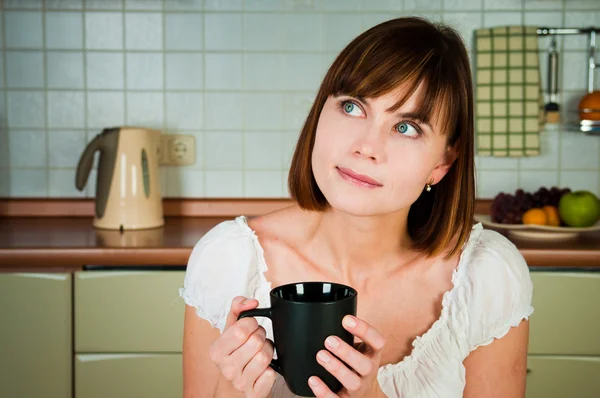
{"x":104,"y":30}
{"x":65,"y":109}
{"x":184,"y":71}
{"x":151,"y":64}
{"x":23,"y":29}
{"x":223,"y":32}
{"x":64,"y":4}
{"x":143,"y":31}
{"x":64,"y":30}
{"x":145,"y":109}
{"x":64,"y":69}
{"x":184,"y":31}
{"x":240,"y":76}
{"x":24,"y":69}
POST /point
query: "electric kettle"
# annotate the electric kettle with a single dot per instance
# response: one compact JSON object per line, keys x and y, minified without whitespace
{"x":127,"y":183}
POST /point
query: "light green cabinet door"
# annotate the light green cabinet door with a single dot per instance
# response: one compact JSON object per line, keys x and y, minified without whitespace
{"x":563,"y":377}
{"x":35,"y":335}
{"x":566,"y":318}
{"x":128,"y":375}
{"x":128,"y":311}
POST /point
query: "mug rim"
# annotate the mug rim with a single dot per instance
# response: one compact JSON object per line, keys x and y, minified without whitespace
{"x":353,"y":292}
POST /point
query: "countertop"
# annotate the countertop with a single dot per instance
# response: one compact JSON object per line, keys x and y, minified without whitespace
{"x":69,"y":243}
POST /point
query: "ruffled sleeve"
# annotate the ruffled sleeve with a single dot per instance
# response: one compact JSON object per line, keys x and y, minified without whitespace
{"x":500,"y":287}
{"x":222,"y":265}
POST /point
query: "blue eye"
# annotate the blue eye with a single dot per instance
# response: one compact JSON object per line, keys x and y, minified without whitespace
{"x":350,"y":108}
{"x":406,"y":129}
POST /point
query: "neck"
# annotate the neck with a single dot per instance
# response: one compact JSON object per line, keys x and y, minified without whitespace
{"x":359,"y":247}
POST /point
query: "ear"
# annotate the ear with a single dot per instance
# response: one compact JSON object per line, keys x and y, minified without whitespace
{"x":445,"y":163}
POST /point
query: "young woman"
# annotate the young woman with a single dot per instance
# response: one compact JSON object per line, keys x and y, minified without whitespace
{"x":383,"y":180}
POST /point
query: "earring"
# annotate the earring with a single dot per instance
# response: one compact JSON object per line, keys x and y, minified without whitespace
{"x":428,"y":186}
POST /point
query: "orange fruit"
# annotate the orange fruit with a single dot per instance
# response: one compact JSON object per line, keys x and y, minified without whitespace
{"x":552,"y":215}
{"x":535,"y":216}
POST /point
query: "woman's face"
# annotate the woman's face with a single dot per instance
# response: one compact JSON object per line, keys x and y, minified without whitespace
{"x":368,"y":161}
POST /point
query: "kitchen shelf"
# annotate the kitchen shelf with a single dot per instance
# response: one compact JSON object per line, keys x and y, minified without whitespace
{"x":591,"y":127}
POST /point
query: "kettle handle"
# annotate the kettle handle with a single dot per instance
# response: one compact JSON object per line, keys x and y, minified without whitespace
{"x":106,"y":142}
{"x":85,"y":162}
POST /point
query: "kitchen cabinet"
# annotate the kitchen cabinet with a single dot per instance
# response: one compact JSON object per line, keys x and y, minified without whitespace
{"x":563,"y":376}
{"x":128,"y":375}
{"x":128,"y":333}
{"x":564,"y":343}
{"x":566,"y":318}
{"x":35,"y":336}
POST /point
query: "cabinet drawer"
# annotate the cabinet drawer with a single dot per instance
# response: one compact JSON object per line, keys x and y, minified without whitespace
{"x":35,"y":335}
{"x":128,"y":311}
{"x":563,"y":376}
{"x":128,"y":375}
{"x":566,"y":319}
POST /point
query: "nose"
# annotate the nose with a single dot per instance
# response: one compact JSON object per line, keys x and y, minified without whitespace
{"x":370,"y":145}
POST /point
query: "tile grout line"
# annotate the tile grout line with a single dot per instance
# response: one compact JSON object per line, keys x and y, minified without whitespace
{"x":244,"y":130}
{"x":200,"y":156}
{"x":88,"y":190}
{"x":519,"y":177}
{"x":166,"y":168}
{"x":559,"y":179}
{"x":124,"y":40}
{"x":46,"y":96}
{"x":5,"y":105}
{"x":296,"y":11}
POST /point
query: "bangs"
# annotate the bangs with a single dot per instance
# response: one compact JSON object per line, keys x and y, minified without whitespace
{"x":372,"y":68}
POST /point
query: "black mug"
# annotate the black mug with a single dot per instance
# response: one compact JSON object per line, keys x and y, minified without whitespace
{"x":303,"y":315}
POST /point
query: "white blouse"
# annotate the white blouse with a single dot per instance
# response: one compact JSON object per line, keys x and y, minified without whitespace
{"x":491,"y":293}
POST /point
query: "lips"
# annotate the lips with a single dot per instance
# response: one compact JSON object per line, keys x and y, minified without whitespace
{"x":358,"y":179}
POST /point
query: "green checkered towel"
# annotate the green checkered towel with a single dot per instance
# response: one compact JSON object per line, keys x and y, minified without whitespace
{"x":508,"y":99}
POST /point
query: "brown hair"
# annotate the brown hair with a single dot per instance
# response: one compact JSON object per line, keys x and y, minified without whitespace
{"x":406,"y":51}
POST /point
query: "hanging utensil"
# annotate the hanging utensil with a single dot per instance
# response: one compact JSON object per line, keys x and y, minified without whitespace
{"x":552,"y":108}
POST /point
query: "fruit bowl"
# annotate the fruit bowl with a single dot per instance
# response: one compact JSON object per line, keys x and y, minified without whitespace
{"x":538,"y":232}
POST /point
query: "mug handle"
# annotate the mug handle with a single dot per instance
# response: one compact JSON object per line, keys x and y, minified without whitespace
{"x":264,"y":312}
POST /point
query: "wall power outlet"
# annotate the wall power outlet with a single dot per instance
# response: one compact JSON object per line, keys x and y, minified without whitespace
{"x":177,"y":150}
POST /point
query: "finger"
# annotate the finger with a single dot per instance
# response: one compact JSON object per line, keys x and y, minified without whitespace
{"x":233,"y":338}
{"x":264,"y":383}
{"x":355,"y":359}
{"x":348,"y":378}
{"x":258,"y":363}
{"x":253,"y":345}
{"x":238,"y":305}
{"x":364,"y":331}
{"x":319,"y":388}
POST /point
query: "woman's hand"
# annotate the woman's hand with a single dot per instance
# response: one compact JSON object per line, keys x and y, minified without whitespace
{"x":243,"y":353}
{"x":359,"y":378}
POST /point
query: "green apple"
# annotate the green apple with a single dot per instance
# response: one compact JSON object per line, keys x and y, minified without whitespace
{"x":579,"y":209}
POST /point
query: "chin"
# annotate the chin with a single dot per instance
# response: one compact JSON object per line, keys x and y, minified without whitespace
{"x":357,"y":204}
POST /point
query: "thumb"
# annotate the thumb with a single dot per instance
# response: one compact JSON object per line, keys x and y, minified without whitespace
{"x":238,"y":305}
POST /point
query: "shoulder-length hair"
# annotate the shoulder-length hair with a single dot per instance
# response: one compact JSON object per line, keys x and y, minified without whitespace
{"x":406,"y":51}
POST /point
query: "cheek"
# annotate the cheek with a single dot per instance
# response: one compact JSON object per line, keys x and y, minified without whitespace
{"x":329,"y":140}
{"x":410,"y":168}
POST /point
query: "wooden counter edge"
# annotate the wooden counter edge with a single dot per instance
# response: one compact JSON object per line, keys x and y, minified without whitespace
{"x":45,"y":259}
{"x":172,"y":207}
{"x":74,"y":259}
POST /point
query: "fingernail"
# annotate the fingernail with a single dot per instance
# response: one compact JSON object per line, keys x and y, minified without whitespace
{"x":332,"y":342}
{"x":323,"y":356}
{"x":246,"y":301}
{"x":349,"y":321}
{"x":312,"y":381}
